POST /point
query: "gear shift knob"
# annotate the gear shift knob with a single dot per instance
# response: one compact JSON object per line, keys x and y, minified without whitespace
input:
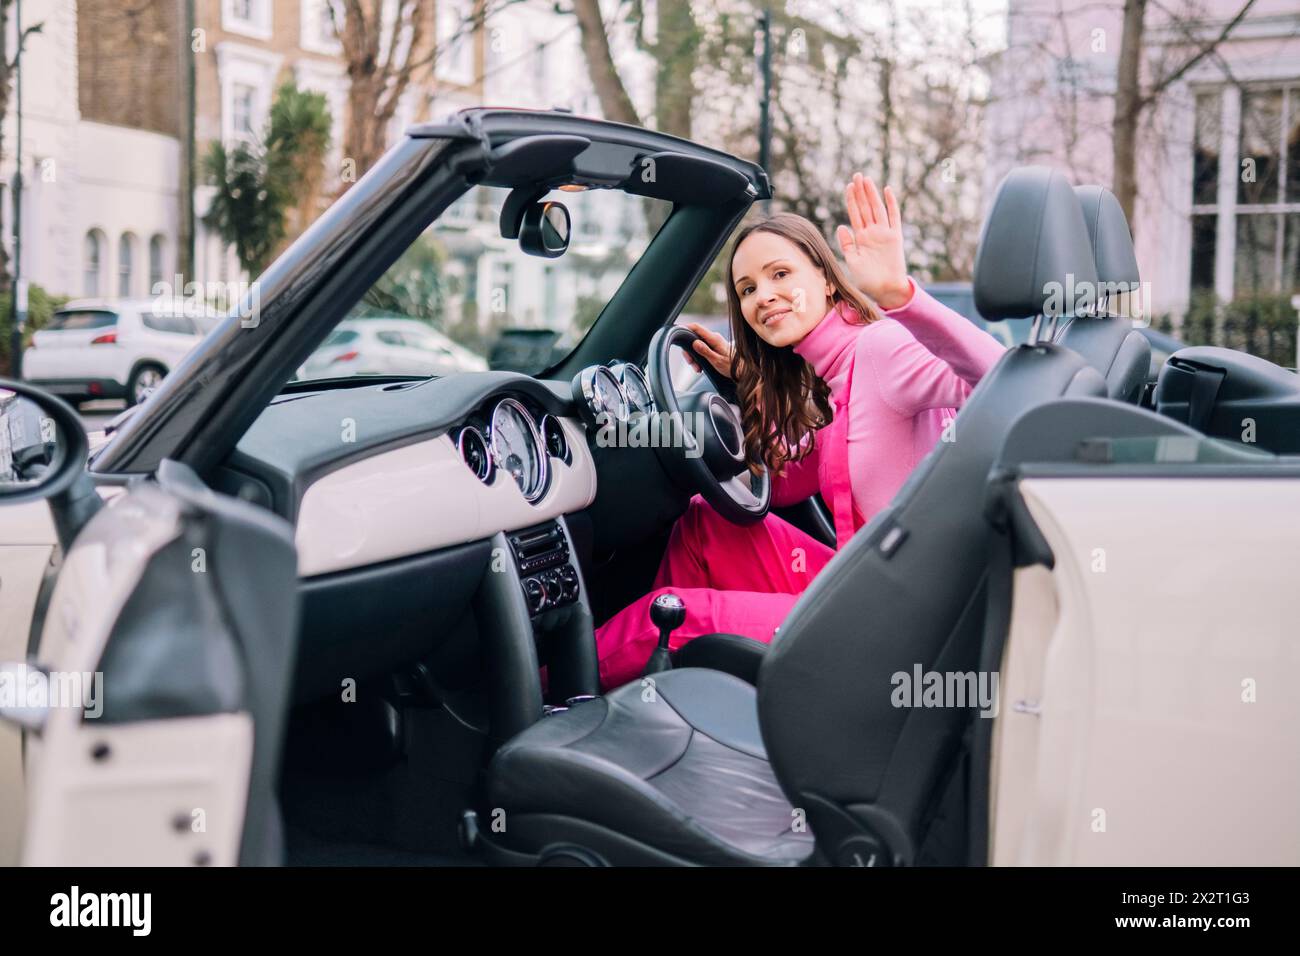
{"x":667,"y":612}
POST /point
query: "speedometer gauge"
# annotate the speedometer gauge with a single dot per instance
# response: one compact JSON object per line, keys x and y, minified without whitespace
{"x":517,"y":447}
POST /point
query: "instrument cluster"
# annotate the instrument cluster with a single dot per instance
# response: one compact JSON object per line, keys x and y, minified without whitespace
{"x":612,"y":393}
{"x":513,"y":437}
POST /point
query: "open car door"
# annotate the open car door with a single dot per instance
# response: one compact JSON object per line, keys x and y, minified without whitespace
{"x":166,"y":654}
{"x":1142,"y":620}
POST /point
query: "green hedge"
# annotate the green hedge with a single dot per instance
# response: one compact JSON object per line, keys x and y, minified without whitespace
{"x":40,"y":306}
{"x":1264,"y":326}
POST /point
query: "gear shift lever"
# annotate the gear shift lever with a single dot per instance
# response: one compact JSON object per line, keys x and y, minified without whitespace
{"x":667,"y":612}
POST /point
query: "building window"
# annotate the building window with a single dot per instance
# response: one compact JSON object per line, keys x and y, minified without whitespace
{"x":94,"y":254}
{"x":125,"y":264}
{"x":1208,"y":137}
{"x":243,"y":99}
{"x":320,"y":26}
{"x":155,"y":262}
{"x":455,"y":62}
{"x":250,"y":18}
{"x":1203,"y":233}
{"x":1258,"y":254}
{"x":246,"y":75}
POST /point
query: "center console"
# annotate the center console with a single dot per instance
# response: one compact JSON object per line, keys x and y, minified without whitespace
{"x":546,"y":568}
{"x":533,"y":612}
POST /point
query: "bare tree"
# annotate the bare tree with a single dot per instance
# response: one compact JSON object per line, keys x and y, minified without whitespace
{"x":383,"y":58}
{"x":848,"y":93}
{"x":612,"y":95}
{"x":1132,"y":98}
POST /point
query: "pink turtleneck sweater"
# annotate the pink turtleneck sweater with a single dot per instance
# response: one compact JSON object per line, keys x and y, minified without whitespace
{"x":911,"y":371}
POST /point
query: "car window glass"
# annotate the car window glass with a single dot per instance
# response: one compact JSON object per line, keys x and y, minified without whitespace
{"x":340,"y":337}
{"x":390,"y":338}
{"x":176,"y":324}
{"x":80,"y":319}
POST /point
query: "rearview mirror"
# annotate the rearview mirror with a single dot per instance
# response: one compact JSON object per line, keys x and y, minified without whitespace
{"x":545,"y":230}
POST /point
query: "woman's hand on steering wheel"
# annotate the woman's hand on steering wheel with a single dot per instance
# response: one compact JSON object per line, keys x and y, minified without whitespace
{"x":710,"y":458}
{"x":710,"y":346}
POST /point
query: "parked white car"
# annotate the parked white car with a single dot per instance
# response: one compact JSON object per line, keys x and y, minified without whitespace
{"x":106,"y":348}
{"x":389,"y":347}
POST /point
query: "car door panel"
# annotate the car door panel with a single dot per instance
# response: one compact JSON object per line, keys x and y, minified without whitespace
{"x":179,"y":605}
{"x":1131,"y":718}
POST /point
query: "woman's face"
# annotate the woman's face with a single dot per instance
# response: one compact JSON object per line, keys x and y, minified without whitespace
{"x":783,"y":295}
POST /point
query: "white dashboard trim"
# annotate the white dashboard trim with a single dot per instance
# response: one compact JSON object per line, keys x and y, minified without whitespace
{"x":423,"y":497}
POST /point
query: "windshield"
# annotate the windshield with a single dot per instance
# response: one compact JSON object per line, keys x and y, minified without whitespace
{"x":461,"y":298}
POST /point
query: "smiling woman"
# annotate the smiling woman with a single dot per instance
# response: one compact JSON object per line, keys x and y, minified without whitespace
{"x":461,"y":298}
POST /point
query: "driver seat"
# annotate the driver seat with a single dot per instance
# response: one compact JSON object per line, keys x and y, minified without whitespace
{"x":817,"y":764}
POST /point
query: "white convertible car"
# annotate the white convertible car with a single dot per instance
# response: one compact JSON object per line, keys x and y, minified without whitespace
{"x":309,"y":624}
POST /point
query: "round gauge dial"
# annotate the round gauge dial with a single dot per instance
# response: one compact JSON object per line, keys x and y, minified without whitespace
{"x":598,"y":397}
{"x":635,"y":387}
{"x":474,"y":452}
{"x":607,"y":395}
{"x":517,"y":447}
{"x":553,"y":437}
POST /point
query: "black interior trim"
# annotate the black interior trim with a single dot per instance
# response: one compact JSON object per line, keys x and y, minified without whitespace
{"x":369,"y":621}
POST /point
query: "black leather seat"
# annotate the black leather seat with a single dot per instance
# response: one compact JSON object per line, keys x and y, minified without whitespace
{"x":1110,"y":343}
{"x":698,"y":777}
{"x":735,"y":654}
{"x":671,"y":773}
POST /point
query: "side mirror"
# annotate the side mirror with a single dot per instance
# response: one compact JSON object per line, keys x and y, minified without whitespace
{"x":545,"y":230}
{"x":43,"y":447}
{"x":43,"y":451}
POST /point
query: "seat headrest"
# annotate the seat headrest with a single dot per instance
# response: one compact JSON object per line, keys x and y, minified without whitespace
{"x":1034,"y":249}
{"x":1112,"y":243}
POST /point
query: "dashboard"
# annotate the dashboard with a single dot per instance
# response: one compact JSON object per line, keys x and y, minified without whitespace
{"x":373,"y":472}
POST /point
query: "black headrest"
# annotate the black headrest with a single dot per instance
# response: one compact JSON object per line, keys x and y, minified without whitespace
{"x":1112,"y":243}
{"x":1034,"y":248}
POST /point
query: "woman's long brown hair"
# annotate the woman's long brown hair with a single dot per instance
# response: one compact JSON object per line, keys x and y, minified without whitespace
{"x":782,"y":400}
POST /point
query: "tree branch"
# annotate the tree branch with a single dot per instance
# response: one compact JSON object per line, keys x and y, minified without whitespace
{"x":1200,"y":55}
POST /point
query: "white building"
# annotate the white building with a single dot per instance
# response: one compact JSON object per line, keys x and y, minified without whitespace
{"x":100,"y":203}
{"x":1218,"y":158}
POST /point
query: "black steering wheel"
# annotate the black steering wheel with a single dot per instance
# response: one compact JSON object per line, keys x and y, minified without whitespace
{"x":709,"y":455}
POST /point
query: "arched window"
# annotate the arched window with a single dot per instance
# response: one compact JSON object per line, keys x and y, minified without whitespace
{"x":94,"y":253}
{"x":155,"y":262}
{"x":125,"y":262}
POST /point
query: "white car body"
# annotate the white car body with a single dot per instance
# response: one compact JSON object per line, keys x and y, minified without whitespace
{"x":103,"y":348}
{"x":389,"y":347}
